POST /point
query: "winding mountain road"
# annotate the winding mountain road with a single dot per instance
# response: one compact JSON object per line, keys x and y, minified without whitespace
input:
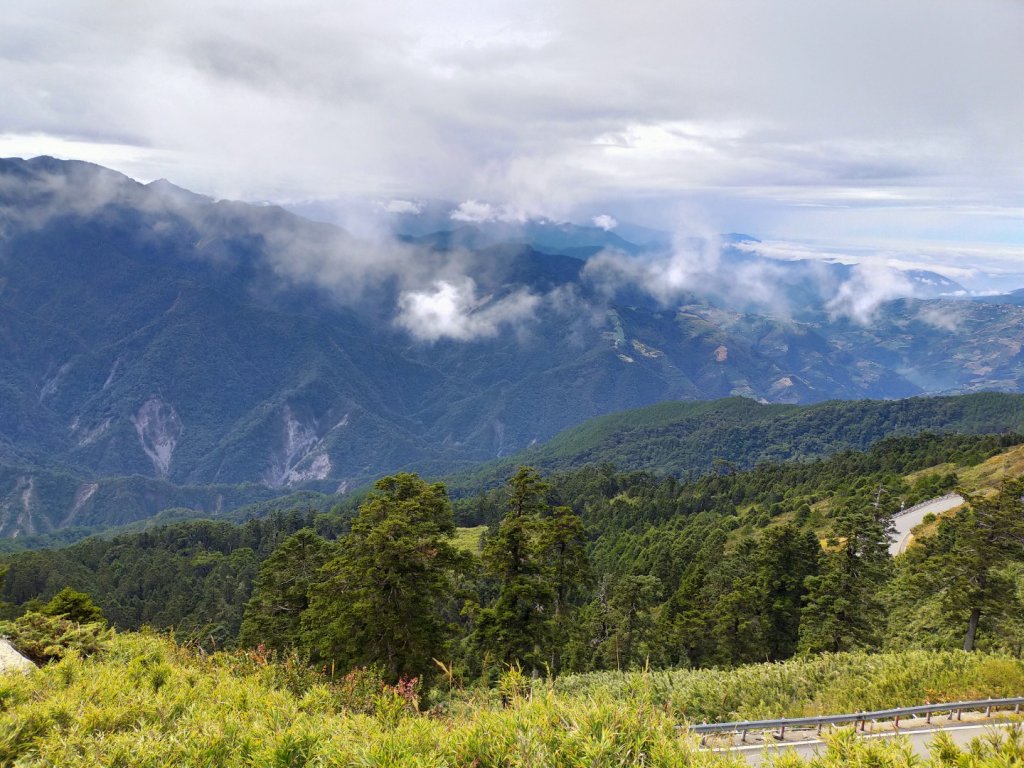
{"x":910,"y":518}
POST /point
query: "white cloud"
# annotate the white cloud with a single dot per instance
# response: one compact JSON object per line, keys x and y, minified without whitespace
{"x":871,"y":284}
{"x":605,"y":222}
{"x":477,"y":212}
{"x":687,"y":266}
{"x":832,"y":118}
{"x":403,"y":207}
{"x":474,"y":211}
{"x":944,"y":316}
{"x":452,"y":310}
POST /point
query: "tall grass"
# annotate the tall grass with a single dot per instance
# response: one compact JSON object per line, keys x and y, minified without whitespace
{"x":826,"y":684}
{"x":148,"y":702}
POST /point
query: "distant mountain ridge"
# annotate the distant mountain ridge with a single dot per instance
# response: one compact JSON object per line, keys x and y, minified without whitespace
{"x":149,"y":331}
{"x":737,"y":433}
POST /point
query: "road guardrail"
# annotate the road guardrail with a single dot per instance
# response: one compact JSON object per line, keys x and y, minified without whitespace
{"x":911,"y":510}
{"x":859,"y":719}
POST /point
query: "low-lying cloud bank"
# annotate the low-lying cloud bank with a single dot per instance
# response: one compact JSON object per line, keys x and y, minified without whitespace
{"x":438,"y":294}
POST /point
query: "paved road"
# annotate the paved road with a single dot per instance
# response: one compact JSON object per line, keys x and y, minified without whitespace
{"x":904,"y":523}
{"x":962,"y":736}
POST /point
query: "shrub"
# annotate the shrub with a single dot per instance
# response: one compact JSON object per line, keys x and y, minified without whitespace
{"x":44,"y":638}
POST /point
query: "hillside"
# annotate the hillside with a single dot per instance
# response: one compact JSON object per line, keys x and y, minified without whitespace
{"x":198,"y":575}
{"x":138,"y":697}
{"x":33,"y":495}
{"x":692,"y":438}
{"x":148,"y":331}
{"x":48,"y":507}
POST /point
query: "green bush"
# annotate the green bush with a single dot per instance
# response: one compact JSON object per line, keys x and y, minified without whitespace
{"x":44,"y":638}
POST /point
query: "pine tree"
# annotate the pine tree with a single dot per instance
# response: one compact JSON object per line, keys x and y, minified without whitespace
{"x":632,"y":606}
{"x":74,"y":606}
{"x":986,"y":537}
{"x":563,"y":549}
{"x":785,"y":557}
{"x":516,"y":628}
{"x":844,"y":608}
{"x":386,"y":595}
{"x":537,"y":558}
{"x":273,"y":615}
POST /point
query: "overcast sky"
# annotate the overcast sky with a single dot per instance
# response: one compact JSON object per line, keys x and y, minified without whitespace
{"x":895,"y":125}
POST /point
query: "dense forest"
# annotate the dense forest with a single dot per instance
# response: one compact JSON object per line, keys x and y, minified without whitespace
{"x":585,"y":570}
{"x":673,"y":437}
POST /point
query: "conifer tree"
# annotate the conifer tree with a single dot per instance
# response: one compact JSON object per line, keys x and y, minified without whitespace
{"x":537,"y":558}
{"x":273,"y":615}
{"x":385,"y":595}
{"x":986,"y":537}
{"x":844,"y":608}
{"x":785,"y":557}
{"x":75,"y":606}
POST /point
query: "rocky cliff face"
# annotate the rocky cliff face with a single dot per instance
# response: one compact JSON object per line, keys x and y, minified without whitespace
{"x":301,"y":454}
{"x":159,"y":428}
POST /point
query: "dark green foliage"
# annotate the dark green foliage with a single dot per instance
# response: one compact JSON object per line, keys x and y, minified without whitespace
{"x":844,"y":609}
{"x":383,"y":597}
{"x":516,"y":628}
{"x":784,"y":560}
{"x":74,"y":606}
{"x":962,"y":584}
{"x":195,"y":577}
{"x":986,"y":539}
{"x":591,"y":569}
{"x":537,"y":560}
{"x":273,"y":615}
{"x":698,"y":437}
{"x":631,"y":605}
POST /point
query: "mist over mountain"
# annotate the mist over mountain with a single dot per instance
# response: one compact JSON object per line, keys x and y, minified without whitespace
{"x":147,"y":330}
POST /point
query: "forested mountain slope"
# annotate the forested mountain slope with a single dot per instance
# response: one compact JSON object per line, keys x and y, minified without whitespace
{"x":146,"y":330}
{"x":680,"y":438}
{"x":654,"y":539}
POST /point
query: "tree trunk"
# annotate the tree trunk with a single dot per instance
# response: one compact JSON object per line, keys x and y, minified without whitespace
{"x":972,"y":629}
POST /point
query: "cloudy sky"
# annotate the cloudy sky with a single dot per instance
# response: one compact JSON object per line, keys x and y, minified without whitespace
{"x":849,"y":126}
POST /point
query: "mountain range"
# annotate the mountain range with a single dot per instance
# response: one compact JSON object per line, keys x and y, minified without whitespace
{"x":150,"y":332}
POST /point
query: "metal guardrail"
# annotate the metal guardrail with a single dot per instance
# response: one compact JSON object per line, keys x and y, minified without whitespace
{"x":913,"y":509}
{"x":858,"y":718}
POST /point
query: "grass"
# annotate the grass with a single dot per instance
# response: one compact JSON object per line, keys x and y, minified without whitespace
{"x":470,"y":539}
{"x":986,"y":477}
{"x":146,"y":701}
{"x":982,"y":479}
{"x":825,"y":684}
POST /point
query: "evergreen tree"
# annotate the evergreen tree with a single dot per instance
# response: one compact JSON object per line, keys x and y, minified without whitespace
{"x":75,"y":606}
{"x":273,"y":615}
{"x":973,"y":577}
{"x":537,"y":558}
{"x":632,"y":607}
{"x":785,"y":557}
{"x":844,"y":608}
{"x":516,"y":628}
{"x":563,"y":547}
{"x":736,"y":606}
{"x":384,"y":597}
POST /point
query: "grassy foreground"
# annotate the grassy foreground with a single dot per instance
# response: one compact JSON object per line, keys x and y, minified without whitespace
{"x":144,"y":701}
